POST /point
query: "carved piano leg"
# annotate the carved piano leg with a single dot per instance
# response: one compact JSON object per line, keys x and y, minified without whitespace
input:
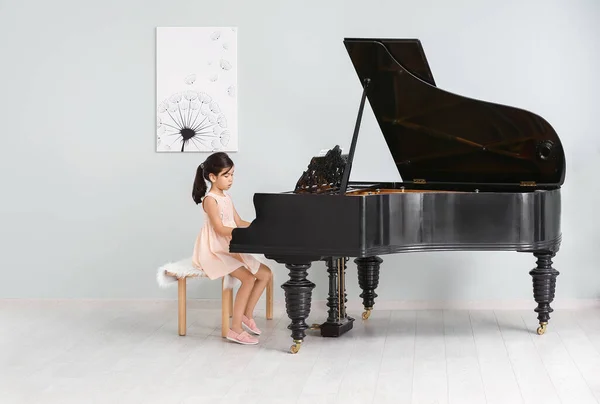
{"x":368,"y":280}
{"x":333,"y":300}
{"x":544,"y":286}
{"x":298,"y":295}
{"x":337,"y":322}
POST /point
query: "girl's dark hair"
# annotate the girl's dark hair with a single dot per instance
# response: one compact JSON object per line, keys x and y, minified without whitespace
{"x":214,"y":164}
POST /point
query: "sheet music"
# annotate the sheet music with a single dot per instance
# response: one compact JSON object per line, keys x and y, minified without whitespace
{"x":323,"y":152}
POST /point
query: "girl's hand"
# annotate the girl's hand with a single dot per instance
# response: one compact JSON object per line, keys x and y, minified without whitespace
{"x":238,"y":220}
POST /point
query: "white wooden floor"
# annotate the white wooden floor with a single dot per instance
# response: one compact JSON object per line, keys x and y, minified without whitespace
{"x":123,"y":352}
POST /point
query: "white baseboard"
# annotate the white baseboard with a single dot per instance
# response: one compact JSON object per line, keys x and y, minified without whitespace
{"x":354,"y":305}
{"x":499,"y":304}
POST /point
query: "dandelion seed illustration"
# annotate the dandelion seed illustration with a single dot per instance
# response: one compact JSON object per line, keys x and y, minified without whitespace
{"x":213,"y":77}
{"x":196,"y":105}
{"x":191,"y":95}
{"x":231,"y":91}
{"x":163,"y":107}
{"x":204,"y":98}
{"x":189,"y":120}
{"x":225,"y":45}
{"x":225,"y":137}
{"x":191,"y":79}
{"x":215,"y":35}
{"x":225,"y":65}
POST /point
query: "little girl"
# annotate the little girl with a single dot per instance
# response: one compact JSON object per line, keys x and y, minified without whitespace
{"x":211,"y":250}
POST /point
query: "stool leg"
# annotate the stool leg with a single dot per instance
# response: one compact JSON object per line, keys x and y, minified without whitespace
{"x":270,"y":298}
{"x":225,"y":309}
{"x":181,"y":285}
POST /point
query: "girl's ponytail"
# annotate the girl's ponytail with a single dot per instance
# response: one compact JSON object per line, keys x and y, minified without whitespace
{"x":199,"y":189}
{"x":214,"y":164}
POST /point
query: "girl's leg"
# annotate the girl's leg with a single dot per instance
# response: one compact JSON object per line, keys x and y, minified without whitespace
{"x":262,"y":278}
{"x":241,"y":297}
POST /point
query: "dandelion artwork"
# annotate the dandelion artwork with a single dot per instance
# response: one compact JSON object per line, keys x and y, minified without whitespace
{"x":196,"y":89}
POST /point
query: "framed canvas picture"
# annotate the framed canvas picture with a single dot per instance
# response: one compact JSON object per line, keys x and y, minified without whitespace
{"x":196,"y":89}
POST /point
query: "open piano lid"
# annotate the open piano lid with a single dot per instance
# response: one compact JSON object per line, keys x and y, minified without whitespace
{"x":439,"y":137}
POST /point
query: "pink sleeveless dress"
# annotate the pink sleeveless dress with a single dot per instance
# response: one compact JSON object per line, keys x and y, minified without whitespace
{"x":211,"y":250}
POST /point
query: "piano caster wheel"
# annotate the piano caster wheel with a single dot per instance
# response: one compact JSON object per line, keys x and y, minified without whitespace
{"x":366,"y":314}
{"x":542,"y":328}
{"x":296,"y":347}
{"x":315,"y":327}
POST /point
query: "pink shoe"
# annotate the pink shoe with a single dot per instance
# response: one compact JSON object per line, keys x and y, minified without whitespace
{"x":249,"y":325}
{"x":242,"y":338}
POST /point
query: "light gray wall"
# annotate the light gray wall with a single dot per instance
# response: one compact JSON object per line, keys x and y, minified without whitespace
{"x":89,"y":210}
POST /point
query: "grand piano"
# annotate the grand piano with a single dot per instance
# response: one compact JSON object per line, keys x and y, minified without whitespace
{"x":476,"y":176}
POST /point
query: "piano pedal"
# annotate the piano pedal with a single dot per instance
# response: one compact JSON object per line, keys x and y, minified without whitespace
{"x":315,"y":327}
{"x":542,"y":328}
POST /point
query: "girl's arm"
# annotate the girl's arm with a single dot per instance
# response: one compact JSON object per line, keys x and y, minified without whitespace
{"x":238,"y":220}
{"x":212,"y":209}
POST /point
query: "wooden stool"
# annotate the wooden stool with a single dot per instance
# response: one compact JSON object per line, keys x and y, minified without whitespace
{"x":226,"y":302}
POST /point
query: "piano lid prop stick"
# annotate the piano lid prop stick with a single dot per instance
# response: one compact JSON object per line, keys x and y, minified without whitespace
{"x":346,"y":176}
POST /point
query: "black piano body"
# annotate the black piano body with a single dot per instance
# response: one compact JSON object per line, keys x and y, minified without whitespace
{"x":389,"y":220}
{"x":477,"y":176}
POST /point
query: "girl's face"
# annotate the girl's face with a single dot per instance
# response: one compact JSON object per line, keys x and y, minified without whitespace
{"x":224,"y":180}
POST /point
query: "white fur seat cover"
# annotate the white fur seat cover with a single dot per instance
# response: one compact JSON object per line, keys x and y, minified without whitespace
{"x":185,"y":268}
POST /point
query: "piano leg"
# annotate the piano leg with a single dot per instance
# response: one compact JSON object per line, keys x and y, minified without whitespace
{"x":368,"y":280}
{"x":338,"y":321}
{"x":298,"y":295}
{"x":544,"y":286}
